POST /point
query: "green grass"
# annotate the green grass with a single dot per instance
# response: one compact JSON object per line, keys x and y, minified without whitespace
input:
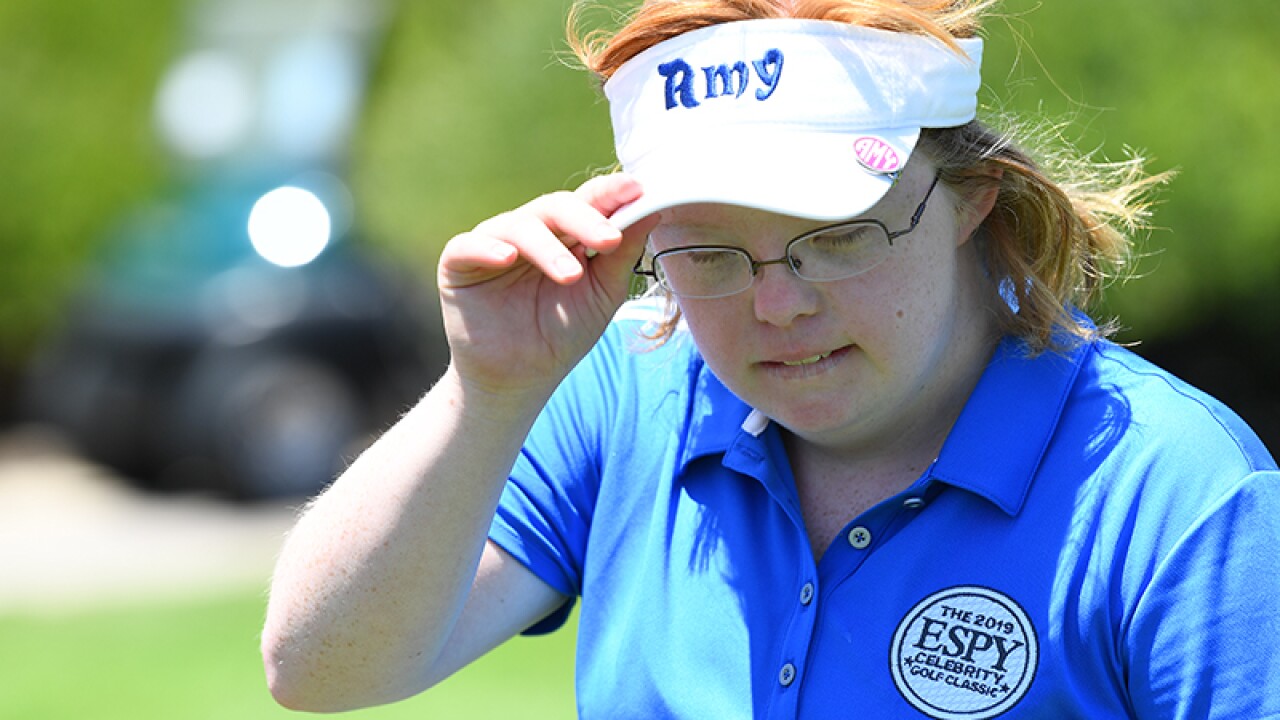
{"x":199,"y":661}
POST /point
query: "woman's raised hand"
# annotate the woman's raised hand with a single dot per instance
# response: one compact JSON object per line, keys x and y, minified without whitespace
{"x":527,"y":293}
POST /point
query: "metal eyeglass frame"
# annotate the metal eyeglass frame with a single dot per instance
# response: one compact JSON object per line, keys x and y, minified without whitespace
{"x":786,"y":257}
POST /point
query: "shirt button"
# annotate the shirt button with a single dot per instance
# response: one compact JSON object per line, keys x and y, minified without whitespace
{"x":913,"y":503}
{"x":787,"y":675}
{"x":860,"y":538}
{"x":806,"y":593}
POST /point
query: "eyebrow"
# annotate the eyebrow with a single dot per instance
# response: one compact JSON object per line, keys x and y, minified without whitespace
{"x":695,"y":229}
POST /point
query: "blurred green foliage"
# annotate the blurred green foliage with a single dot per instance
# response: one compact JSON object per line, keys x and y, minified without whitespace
{"x":471,"y":111}
{"x":76,"y":144}
{"x":1193,"y":86}
{"x":474,"y":112}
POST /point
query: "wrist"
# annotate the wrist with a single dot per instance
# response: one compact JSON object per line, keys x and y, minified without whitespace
{"x":503,"y":402}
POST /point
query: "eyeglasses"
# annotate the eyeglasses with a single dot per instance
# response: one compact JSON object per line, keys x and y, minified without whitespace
{"x":834,"y":252}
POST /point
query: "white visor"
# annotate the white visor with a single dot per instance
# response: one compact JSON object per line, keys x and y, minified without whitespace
{"x":807,"y":118}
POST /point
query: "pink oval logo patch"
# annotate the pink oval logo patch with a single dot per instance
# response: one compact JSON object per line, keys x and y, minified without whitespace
{"x":876,"y":155}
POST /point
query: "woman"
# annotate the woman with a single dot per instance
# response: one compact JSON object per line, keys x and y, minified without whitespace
{"x":860,"y":454}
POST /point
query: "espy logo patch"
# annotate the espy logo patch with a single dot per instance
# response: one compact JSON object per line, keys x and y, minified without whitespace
{"x":964,"y":652}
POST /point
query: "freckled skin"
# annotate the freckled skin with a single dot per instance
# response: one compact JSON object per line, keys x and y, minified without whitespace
{"x":911,"y":335}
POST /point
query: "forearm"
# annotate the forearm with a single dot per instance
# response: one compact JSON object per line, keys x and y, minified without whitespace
{"x":371,"y":582}
{"x":373,"y":577}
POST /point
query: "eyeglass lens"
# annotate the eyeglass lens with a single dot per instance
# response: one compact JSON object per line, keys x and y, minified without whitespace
{"x":830,"y":254}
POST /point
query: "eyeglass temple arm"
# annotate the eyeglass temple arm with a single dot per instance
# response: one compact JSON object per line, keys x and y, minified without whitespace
{"x":638,"y":268}
{"x":919,"y":213}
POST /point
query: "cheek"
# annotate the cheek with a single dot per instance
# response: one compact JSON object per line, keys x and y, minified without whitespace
{"x":713,"y":325}
{"x":910,"y":299}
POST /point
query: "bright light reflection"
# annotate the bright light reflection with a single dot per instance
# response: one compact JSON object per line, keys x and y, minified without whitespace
{"x":205,"y":105}
{"x":289,"y":226}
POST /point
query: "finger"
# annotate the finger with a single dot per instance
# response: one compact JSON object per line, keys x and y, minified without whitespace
{"x":473,"y":256}
{"x":608,"y":193}
{"x":604,"y":194}
{"x":574,"y":220}
{"x":542,"y":233}
{"x":617,"y":265}
{"x":497,"y":243}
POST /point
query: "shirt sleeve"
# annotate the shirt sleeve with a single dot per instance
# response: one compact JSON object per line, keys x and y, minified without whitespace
{"x":1205,"y":637}
{"x":544,"y":515}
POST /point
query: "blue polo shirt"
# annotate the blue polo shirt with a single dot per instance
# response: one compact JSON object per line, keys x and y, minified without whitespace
{"x":1096,"y":540}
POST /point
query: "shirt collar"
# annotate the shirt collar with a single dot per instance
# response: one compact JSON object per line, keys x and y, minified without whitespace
{"x":994,"y":448}
{"x":717,"y":417}
{"x":997,"y":443}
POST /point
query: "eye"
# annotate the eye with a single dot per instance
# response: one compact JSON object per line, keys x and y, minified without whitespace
{"x":840,"y":252}
{"x":709,"y":257}
{"x":844,"y":238}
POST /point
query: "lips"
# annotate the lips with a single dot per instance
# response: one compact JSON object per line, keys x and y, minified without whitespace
{"x":808,"y":360}
{"x":807,"y":364}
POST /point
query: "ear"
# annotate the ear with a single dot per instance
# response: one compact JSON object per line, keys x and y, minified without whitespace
{"x":977,"y":204}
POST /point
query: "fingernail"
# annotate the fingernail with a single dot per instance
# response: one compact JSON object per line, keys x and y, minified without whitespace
{"x":606,"y":231}
{"x":567,"y":266}
{"x":501,"y":251}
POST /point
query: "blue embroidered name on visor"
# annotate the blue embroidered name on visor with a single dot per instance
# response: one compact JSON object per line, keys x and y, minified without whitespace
{"x":720,"y":80}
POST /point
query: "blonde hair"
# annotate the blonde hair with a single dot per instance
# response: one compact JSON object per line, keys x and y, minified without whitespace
{"x":1050,"y":244}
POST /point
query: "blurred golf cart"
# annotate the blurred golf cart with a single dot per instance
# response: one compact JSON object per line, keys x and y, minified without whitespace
{"x":238,"y":339}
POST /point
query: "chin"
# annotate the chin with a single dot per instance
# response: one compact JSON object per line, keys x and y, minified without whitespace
{"x":812,"y":421}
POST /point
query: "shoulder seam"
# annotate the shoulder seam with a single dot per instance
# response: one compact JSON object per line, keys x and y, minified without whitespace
{"x":1167,"y":378}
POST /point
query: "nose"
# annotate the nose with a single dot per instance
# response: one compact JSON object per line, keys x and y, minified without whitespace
{"x":779,"y":296}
